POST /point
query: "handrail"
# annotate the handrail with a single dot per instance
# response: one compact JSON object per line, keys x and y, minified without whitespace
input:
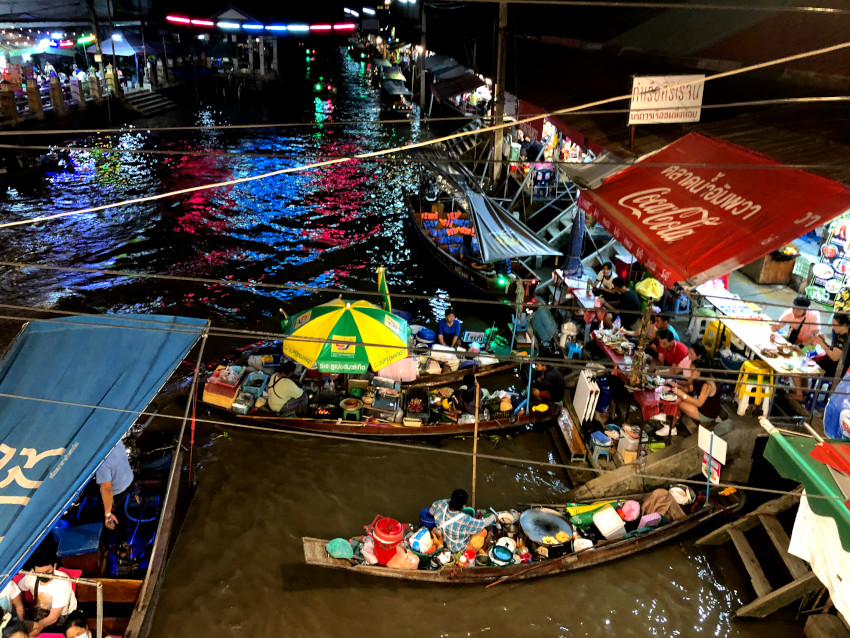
{"x":80,"y":581}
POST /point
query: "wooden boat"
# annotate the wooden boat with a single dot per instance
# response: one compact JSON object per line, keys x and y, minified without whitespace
{"x":144,"y":352}
{"x":603,"y":552}
{"x":449,"y":205}
{"x":379,"y":429}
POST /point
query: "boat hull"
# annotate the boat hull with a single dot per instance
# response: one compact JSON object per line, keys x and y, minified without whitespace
{"x":604,"y":552}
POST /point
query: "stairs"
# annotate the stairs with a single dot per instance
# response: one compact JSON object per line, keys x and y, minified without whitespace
{"x":556,"y":232}
{"x":459,"y":146}
{"x":147,"y":102}
{"x":768,"y":599}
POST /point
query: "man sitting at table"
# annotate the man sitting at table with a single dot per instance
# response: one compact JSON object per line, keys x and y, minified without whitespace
{"x":625,"y":303}
{"x":671,"y":353}
{"x":605,"y":277}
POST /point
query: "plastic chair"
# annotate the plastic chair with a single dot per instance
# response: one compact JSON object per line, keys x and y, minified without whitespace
{"x":754,"y":381}
{"x":696,"y":327}
{"x":682,"y":305}
{"x":574,"y":349}
{"x":711,"y":339}
{"x":819,"y":396}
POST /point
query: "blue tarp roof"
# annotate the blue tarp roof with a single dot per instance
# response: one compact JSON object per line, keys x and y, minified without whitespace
{"x":50,"y":449}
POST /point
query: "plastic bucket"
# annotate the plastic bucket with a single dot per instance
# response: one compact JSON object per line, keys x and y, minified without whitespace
{"x":426,"y":519}
{"x":387,"y":534}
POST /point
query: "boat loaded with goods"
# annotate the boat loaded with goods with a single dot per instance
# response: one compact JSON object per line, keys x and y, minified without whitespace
{"x":334,"y":366}
{"x":523,"y":543}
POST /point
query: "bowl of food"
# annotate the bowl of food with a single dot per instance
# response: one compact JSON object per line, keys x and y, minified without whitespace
{"x":829,"y":251}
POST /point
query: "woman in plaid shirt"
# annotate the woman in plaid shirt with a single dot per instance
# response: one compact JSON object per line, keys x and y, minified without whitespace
{"x":456,"y":526}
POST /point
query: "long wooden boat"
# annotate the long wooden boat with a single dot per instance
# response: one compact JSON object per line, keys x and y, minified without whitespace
{"x":603,"y":552}
{"x":449,"y":204}
{"x":364,"y":429}
{"x":144,"y":352}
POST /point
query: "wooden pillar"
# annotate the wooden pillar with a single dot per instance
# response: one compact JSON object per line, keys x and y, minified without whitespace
{"x":251,"y":54}
{"x":275,"y":66}
{"x":57,"y":98}
{"x":95,"y":89}
{"x":36,"y":108}
{"x":78,"y":96}
{"x":8,"y":103}
{"x":422,"y":59}
{"x":499,"y":92}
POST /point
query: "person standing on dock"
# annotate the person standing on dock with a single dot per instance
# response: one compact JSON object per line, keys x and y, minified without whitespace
{"x":448,"y":330}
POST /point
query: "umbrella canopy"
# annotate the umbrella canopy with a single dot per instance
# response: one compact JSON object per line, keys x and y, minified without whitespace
{"x":333,"y":336}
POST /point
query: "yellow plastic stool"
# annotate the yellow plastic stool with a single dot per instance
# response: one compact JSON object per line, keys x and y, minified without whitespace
{"x":755,"y":380}
{"x":711,"y":338}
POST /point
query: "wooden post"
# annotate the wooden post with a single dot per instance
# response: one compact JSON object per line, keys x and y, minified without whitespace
{"x":499,"y":92}
{"x":422,"y":60}
{"x":475,"y":440}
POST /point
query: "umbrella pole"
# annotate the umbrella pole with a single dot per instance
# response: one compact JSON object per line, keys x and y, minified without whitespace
{"x":475,"y":440}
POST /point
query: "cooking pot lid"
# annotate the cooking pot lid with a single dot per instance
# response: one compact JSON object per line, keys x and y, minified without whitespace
{"x":539,"y":523}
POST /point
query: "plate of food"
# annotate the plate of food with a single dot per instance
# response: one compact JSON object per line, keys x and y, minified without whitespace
{"x":832,"y":286}
{"x":787,"y":367}
{"x":668,"y":396}
{"x":829,"y":251}
{"x":823,"y":271}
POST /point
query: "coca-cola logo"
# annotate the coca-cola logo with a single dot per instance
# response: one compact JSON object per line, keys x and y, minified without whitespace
{"x":670,"y":222}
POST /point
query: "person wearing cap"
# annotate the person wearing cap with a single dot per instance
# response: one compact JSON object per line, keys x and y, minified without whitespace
{"x":448,"y":330}
{"x":804,"y":325}
{"x":456,"y":526}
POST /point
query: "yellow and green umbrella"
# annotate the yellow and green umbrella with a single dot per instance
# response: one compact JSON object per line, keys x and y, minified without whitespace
{"x":346,"y":336}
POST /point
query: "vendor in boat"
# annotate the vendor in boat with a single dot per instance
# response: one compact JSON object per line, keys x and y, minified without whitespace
{"x":547,"y":384}
{"x":53,"y":598}
{"x":285,"y":396}
{"x":448,"y":330}
{"x":114,"y":477}
{"x":463,"y":401}
{"x":456,"y":526}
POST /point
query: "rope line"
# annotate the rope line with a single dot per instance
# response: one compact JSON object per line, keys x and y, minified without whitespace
{"x":432,"y":142}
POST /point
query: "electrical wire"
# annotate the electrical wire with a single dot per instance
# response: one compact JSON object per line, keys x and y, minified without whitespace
{"x":414,"y":145}
{"x":401,"y":446}
{"x":696,"y":6}
{"x":235,"y":127}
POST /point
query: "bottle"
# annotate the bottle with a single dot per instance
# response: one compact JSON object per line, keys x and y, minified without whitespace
{"x":589,"y":286}
{"x":617,"y":323}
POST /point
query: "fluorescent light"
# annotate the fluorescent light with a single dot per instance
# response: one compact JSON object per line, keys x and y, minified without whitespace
{"x":253,"y":27}
{"x":297,"y":27}
{"x":203,"y":23}
{"x":179,"y":19}
{"x":276,"y":27}
{"x":56,"y":36}
{"x":320,"y":27}
{"x":117,"y":37}
{"x":368,"y":11}
{"x":86,"y":40}
{"x":202,"y":36}
{"x":344,"y":27}
{"x":227,"y":25}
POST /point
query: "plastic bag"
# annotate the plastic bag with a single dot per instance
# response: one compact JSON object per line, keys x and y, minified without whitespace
{"x":403,"y":559}
{"x":650,"y":288}
{"x":368,"y":550}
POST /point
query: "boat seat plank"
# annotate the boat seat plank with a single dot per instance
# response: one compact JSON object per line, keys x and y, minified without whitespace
{"x":115,"y":590}
{"x":778,"y":535}
{"x":578,"y":451}
{"x":757,"y":577}
{"x":775,"y":600}
{"x":771,"y":508}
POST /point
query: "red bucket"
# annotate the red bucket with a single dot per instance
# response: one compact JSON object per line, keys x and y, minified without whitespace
{"x":387,"y":534}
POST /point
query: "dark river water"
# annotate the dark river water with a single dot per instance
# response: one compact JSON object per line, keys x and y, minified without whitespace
{"x":237,"y":568}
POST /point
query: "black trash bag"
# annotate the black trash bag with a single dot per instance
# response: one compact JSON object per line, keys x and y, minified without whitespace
{"x":590,"y":426}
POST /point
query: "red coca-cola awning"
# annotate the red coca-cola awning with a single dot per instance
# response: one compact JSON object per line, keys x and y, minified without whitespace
{"x":701,"y":207}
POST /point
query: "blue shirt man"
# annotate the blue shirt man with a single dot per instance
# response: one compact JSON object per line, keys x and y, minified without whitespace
{"x":114,"y":477}
{"x":448,"y":330}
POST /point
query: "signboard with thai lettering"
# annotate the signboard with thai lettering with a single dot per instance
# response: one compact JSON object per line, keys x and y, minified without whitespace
{"x":702,"y":207}
{"x":661,"y":99}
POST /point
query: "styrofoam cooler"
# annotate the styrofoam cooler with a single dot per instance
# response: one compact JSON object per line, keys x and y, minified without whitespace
{"x":609,"y":523}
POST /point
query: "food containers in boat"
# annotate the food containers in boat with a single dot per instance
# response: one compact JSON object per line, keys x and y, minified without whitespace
{"x":421,"y":541}
{"x":609,"y":523}
{"x":581,"y":544}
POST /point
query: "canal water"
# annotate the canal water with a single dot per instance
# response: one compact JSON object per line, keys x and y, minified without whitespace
{"x":237,"y":567}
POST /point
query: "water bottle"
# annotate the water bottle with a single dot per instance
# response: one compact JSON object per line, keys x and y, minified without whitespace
{"x":617,"y":323}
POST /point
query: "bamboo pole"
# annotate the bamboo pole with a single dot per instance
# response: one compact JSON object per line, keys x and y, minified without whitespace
{"x":475,"y":440}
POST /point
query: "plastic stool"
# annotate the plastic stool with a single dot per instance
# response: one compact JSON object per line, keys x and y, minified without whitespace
{"x":755,"y":380}
{"x":711,"y":339}
{"x":351,"y":415}
{"x":601,"y":444}
{"x":682,"y":305}
{"x":696,"y":327}
{"x":821,"y":389}
{"x":574,"y":349}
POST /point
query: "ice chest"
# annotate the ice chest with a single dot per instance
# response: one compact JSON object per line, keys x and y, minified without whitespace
{"x":79,"y":547}
{"x":609,"y":523}
{"x":243,"y":403}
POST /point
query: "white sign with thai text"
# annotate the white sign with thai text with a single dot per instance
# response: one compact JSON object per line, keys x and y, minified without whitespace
{"x":658,"y":99}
